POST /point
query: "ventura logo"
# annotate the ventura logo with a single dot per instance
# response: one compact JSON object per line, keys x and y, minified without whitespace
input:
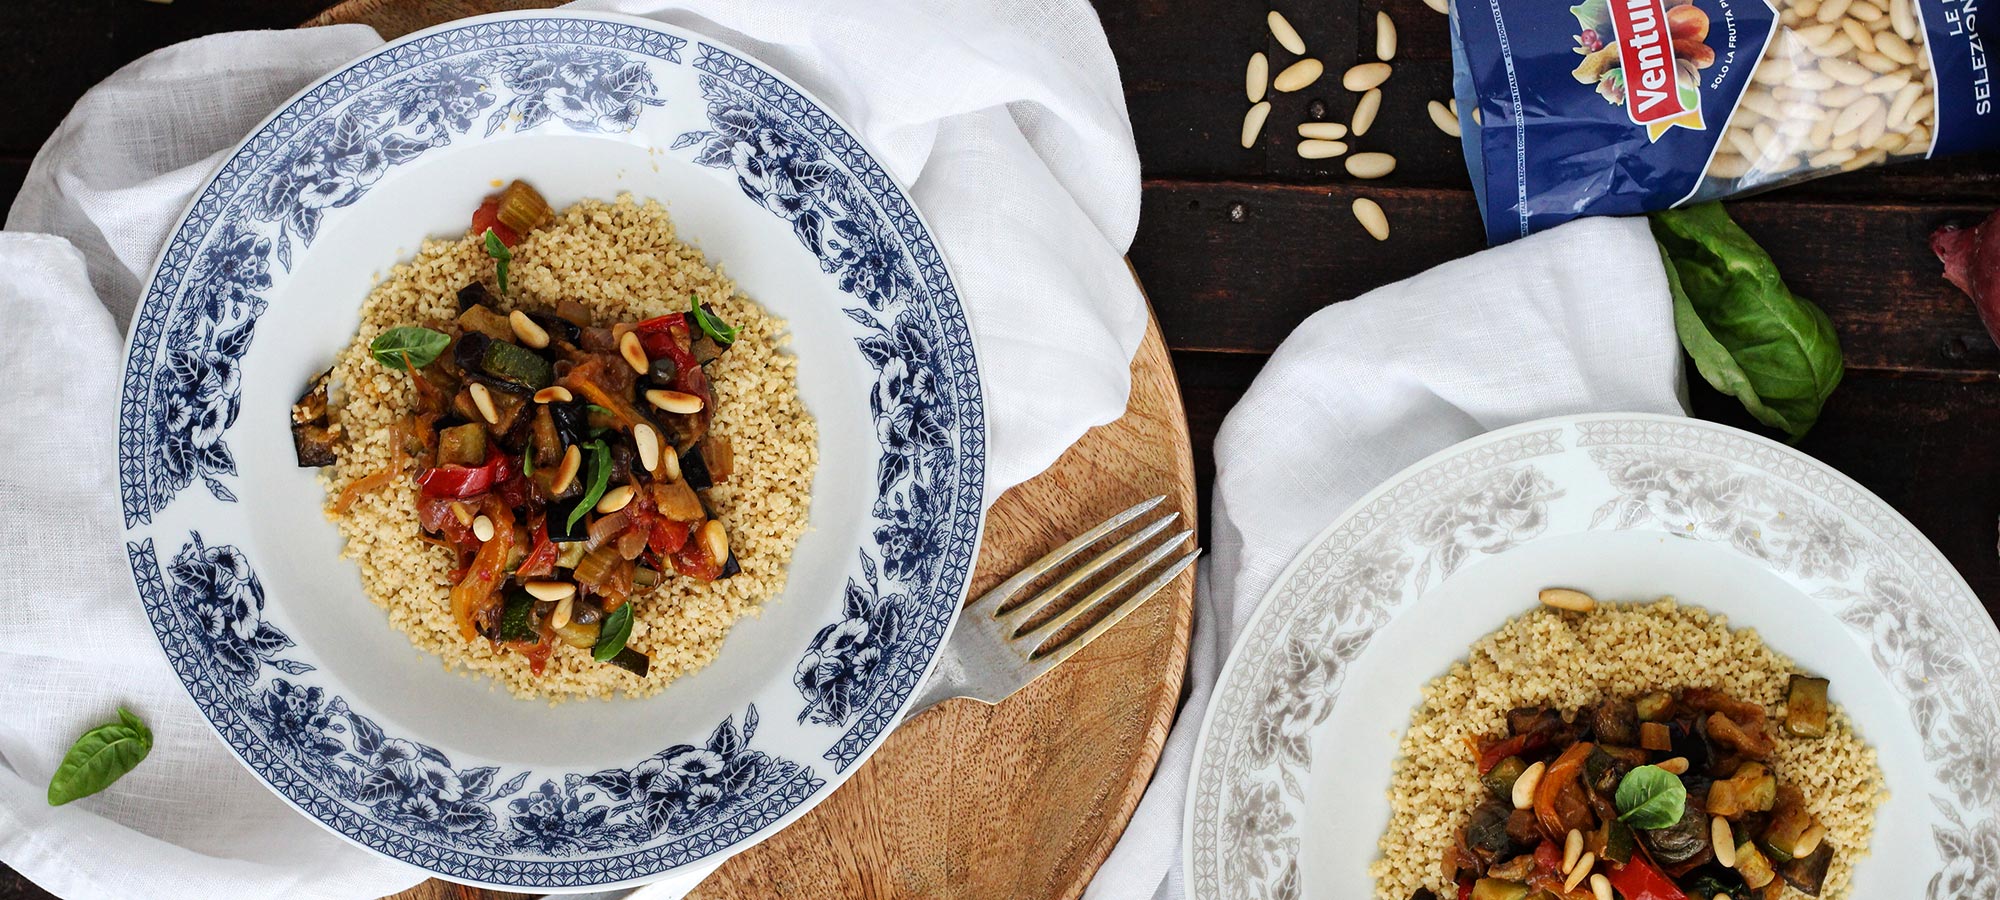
{"x":1653,"y":95}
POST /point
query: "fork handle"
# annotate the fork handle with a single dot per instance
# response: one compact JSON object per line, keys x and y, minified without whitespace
{"x":956,"y":672}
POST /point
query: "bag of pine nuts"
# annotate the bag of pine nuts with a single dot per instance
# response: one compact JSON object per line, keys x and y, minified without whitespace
{"x":1627,"y":106}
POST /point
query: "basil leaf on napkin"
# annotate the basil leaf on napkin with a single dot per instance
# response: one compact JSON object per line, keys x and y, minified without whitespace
{"x":1651,"y":797}
{"x":411,"y":346}
{"x":101,"y":756}
{"x":1749,"y":335}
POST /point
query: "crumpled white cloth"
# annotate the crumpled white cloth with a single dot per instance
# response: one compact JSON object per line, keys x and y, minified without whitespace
{"x":1005,"y":118}
{"x":1575,"y":319}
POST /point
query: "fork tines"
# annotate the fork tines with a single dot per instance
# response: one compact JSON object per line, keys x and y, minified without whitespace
{"x":1016,"y":615}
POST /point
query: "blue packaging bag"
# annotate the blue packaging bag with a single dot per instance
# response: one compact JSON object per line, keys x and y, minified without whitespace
{"x":1617,"y":107}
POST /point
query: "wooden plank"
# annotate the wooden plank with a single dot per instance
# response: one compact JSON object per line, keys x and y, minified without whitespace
{"x":1234,"y":266}
{"x":1183,"y":68}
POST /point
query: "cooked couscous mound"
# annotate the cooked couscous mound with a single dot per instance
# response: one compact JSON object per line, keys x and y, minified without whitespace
{"x":622,"y":261}
{"x":1568,"y":660}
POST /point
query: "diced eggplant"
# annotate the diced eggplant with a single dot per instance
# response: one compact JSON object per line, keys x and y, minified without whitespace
{"x":632,"y":661}
{"x":1750,"y":736}
{"x":1654,"y":707}
{"x":1789,"y":822}
{"x":517,"y":616}
{"x":1615,"y":721}
{"x":516,"y":364}
{"x":474,"y":294}
{"x":694,"y":469}
{"x":1486,"y":833}
{"x":1618,"y":841}
{"x":574,"y":313}
{"x":1520,"y":868}
{"x":559,"y":517}
{"x":660,"y":372}
{"x":480,"y":319}
{"x":1655,"y":736}
{"x":1602,"y":771}
{"x":1805,"y":707}
{"x":1680,"y":842}
{"x":1523,"y":828}
{"x":1498,"y":889}
{"x":581,"y":635}
{"x":730,"y":568}
{"x":462,"y":445}
{"x":719,"y":457}
{"x":572,"y":423}
{"x":1690,"y":741}
{"x":1753,"y":865}
{"x":1751,"y":789}
{"x":558,"y":327}
{"x":312,"y":439}
{"x":678,"y":502}
{"x":705,"y":349}
{"x":623,"y":460}
{"x":543,"y":437}
{"x":1500,"y":779}
{"x":1532,"y":720}
{"x":1808,"y":874}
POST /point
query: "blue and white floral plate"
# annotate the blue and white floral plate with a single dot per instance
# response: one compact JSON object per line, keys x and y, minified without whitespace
{"x":1288,"y":795}
{"x":268,"y":628}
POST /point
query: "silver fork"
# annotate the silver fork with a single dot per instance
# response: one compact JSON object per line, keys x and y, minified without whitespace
{"x":993,"y":652}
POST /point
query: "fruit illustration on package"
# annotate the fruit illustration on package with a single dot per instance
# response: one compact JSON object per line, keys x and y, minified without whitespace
{"x":1645,"y":55}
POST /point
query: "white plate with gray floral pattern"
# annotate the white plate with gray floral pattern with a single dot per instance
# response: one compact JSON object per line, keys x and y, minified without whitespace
{"x":1288,"y":794}
{"x":260,"y":285}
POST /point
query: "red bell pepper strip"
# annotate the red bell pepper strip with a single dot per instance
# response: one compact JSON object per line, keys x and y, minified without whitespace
{"x":465,"y":481}
{"x":1513,"y":746}
{"x":475,"y":590}
{"x":670,"y":336}
{"x":1639,"y":879}
{"x":541,"y":561}
{"x":488,"y":216}
{"x":1564,"y":770}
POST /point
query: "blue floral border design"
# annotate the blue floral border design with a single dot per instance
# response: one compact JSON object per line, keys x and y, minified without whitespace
{"x":406,"y":798}
{"x":325,"y":150}
{"x":791,"y":158}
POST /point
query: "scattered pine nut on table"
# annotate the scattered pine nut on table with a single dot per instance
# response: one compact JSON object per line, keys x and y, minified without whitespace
{"x":1287,"y":36}
{"x":1372,"y":218}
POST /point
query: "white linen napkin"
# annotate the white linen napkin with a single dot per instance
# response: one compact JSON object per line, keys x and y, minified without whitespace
{"x":1006,"y":119}
{"x":1575,"y":319}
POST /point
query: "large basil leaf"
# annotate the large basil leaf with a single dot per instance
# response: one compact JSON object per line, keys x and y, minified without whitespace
{"x":1749,"y":335}
{"x":101,"y":756}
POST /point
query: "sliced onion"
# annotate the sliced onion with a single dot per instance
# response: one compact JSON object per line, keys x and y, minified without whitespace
{"x":604,"y":529}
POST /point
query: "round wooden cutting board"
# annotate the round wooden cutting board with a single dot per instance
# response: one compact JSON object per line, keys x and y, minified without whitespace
{"x":1018,"y":801}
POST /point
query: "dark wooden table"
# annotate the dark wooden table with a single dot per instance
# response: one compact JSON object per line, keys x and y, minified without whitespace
{"x":1237,"y":246}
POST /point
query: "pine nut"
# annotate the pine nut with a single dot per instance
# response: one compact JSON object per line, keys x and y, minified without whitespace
{"x":670,"y":466}
{"x":1677,"y":765}
{"x":1370,"y":165}
{"x":1364,"y":113}
{"x":1600,"y":887}
{"x":462,"y":513}
{"x":674,"y":401}
{"x":1316,"y":149}
{"x":1809,"y":841}
{"x":1846,"y":72}
{"x":483,"y":399}
{"x":1443,"y":118}
{"x":482,"y":528}
{"x":531,"y":334}
{"x":1724,"y":842}
{"x":1864,"y":13}
{"x":1582,"y":871}
{"x":1564,"y":598}
{"x":1298,"y":75}
{"x":1288,"y":37}
{"x":648,"y":443}
{"x":1365,"y":76}
{"x":551,"y":591}
{"x":564,"y":611}
{"x":1892,"y":45}
{"x":1572,"y":849}
{"x":1253,"y":123}
{"x":1830,"y":11}
{"x":554,"y":393}
{"x":1523,"y":793}
{"x":1256,"y":77}
{"x":615,"y":499}
{"x":565,"y":474}
{"x":1372,"y":218}
{"x":1903,"y":19}
{"x":1859,"y":34}
{"x":1322,"y":131}
{"x":634,"y":353}
{"x":715,"y":540}
{"x":1452,"y":104}
{"x":1385,"y":36}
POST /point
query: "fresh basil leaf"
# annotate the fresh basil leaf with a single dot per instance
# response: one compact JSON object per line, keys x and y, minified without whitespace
{"x":501,"y":255}
{"x":592,"y":407}
{"x":600,"y":478}
{"x":717,"y":330}
{"x":409,"y":347}
{"x":101,"y":756}
{"x":1749,"y":335}
{"x":528,"y":462}
{"x":1651,"y":797}
{"x":612,"y":635}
